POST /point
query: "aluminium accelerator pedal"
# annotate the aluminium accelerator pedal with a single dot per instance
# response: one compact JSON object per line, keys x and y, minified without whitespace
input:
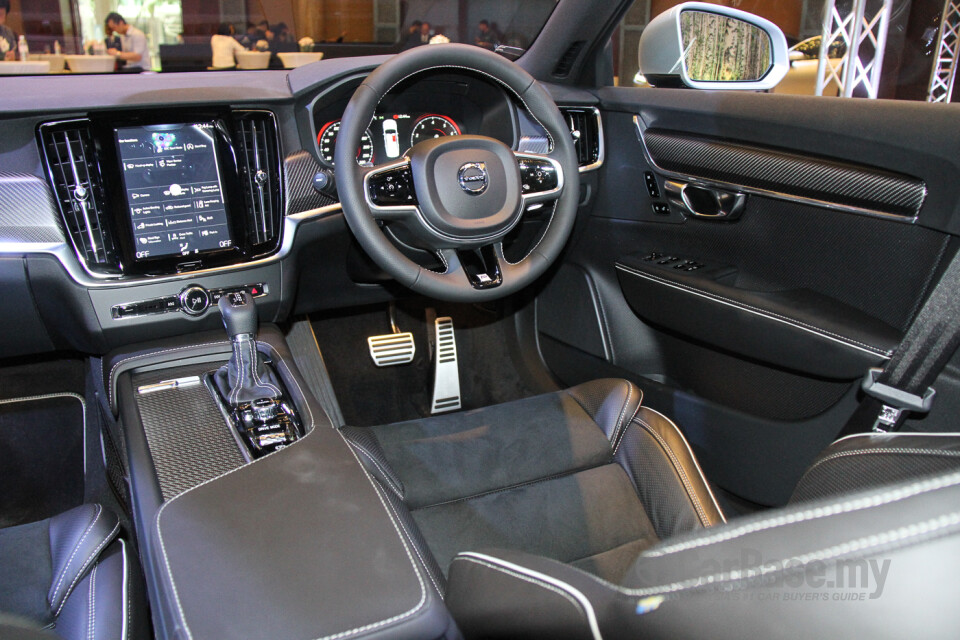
{"x":446,"y":376}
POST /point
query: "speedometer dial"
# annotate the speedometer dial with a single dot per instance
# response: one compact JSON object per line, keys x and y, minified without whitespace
{"x":327,"y":141}
{"x":433,"y":126}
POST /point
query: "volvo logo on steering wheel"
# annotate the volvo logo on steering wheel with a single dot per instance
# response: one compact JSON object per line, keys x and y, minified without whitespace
{"x":473,"y":178}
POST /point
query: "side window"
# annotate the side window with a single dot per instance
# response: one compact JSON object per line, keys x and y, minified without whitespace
{"x":894,"y":49}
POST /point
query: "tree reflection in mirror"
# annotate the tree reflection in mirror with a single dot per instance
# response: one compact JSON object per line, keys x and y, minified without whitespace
{"x":722,"y":49}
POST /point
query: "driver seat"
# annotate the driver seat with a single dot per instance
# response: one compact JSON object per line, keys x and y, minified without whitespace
{"x":584,"y":514}
{"x":587,"y":476}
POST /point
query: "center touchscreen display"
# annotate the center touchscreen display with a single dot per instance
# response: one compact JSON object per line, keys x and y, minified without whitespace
{"x":174,"y":190}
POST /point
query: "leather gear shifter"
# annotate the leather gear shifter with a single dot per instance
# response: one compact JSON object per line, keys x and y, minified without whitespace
{"x":245,"y":378}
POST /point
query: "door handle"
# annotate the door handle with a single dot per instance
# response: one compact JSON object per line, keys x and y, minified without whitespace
{"x":708,"y":203}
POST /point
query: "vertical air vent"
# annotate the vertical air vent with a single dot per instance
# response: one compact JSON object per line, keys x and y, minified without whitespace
{"x":565,"y":64}
{"x":584,"y":126}
{"x":258,"y":159}
{"x":74,"y":172}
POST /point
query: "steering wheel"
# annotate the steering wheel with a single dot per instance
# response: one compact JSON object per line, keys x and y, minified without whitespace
{"x":459,"y":195}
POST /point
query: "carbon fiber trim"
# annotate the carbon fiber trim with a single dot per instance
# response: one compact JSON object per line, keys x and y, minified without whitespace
{"x":299,"y":169}
{"x":785,"y":174}
{"x":27,"y":210}
{"x":189,"y":439}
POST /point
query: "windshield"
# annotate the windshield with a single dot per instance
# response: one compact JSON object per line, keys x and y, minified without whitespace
{"x":132,"y":36}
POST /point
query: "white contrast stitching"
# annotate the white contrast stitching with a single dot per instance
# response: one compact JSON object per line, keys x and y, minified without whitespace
{"x":763,"y":312}
{"x":584,"y":602}
{"x":386,"y":475}
{"x":63,"y":571}
{"x":693,"y":459}
{"x":166,"y":560}
{"x":680,"y":472}
{"x":91,"y":558}
{"x":148,"y":355}
{"x":815,"y":513}
{"x":256,"y":374}
{"x":92,"y":604}
{"x":884,"y":539}
{"x":415,"y":549}
{"x":531,"y":580}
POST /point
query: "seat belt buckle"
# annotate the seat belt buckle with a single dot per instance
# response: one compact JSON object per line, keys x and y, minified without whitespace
{"x":895,"y":401}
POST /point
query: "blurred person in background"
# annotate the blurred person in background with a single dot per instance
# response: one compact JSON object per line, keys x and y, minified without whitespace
{"x":424,"y":33}
{"x":486,"y":36}
{"x":224,"y":44}
{"x":413,"y":36}
{"x":135,"y":52}
{"x":8,"y":39}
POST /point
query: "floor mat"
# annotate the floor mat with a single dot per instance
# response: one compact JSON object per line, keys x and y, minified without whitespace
{"x":42,"y":445}
{"x":490,"y":372}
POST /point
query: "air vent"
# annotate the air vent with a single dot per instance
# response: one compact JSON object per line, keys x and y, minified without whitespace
{"x":584,"y":126}
{"x":258,"y":159}
{"x":74,"y":172}
{"x":565,"y":64}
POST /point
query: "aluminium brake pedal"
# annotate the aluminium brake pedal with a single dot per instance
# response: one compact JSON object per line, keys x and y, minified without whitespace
{"x":446,"y":371}
{"x":393,"y":348}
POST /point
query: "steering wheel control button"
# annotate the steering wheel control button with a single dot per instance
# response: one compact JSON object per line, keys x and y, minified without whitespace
{"x":194,"y":300}
{"x":473,"y":178}
{"x":393,"y":188}
{"x":537,"y":175}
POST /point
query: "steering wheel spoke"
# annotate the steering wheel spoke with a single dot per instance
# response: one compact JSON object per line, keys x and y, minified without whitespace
{"x":541,"y":177}
{"x":481,"y":266}
{"x":389,"y":191}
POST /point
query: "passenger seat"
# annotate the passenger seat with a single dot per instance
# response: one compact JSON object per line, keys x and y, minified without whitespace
{"x":73,"y":575}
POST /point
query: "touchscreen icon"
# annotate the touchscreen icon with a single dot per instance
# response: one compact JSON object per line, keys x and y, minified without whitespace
{"x":163,"y":141}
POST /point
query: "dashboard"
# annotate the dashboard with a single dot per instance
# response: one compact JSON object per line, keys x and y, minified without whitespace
{"x":130,"y":204}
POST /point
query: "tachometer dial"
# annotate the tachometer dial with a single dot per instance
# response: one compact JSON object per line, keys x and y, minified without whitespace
{"x":327,"y":141}
{"x":433,"y":126}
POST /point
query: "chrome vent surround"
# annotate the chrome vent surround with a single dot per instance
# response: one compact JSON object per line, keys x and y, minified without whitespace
{"x":584,"y":123}
{"x":258,"y":159}
{"x":74,"y":172}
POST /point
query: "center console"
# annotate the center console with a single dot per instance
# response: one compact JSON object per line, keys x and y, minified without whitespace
{"x":255,"y":517}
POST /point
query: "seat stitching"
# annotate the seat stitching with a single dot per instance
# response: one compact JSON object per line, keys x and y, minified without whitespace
{"x":895,"y":538}
{"x":815,"y":513}
{"x":386,"y":474}
{"x":618,"y":425}
{"x":93,"y":556}
{"x":520,"y":485}
{"x":888,"y":450}
{"x":63,"y":571}
{"x":529,"y":579}
{"x":92,"y":604}
{"x":416,"y":550}
{"x":759,"y":310}
{"x":623,"y":432}
{"x":691,"y":494}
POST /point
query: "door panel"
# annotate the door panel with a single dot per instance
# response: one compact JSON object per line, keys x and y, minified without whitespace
{"x":758,"y":350}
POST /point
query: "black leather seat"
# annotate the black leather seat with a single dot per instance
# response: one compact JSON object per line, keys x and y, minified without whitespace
{"x":72,"y":574}
{"x":583,"y":513}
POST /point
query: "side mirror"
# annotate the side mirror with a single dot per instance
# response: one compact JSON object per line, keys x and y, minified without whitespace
{"x":709,"y":46}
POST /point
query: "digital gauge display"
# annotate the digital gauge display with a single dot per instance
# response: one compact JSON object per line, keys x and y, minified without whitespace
{"x":433,"y":126}
{"x":327,"y":142}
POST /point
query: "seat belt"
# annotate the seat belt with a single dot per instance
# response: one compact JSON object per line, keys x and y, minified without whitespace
{"x":903,"y":385}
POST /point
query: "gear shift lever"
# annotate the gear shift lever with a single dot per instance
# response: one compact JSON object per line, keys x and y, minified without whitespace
{"x":244,"y":378}
{"x":257,"y":406}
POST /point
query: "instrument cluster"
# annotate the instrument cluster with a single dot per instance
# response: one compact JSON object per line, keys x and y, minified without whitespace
{"x":389,"y":136}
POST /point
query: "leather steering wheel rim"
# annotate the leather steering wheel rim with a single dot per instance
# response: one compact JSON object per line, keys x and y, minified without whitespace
{"x":453,"y":284}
